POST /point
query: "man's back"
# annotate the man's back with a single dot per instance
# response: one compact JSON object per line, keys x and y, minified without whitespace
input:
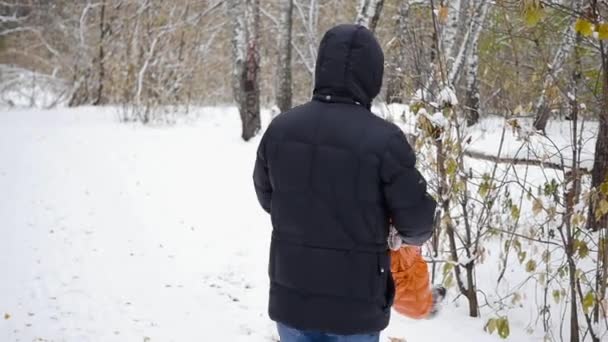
{"x":332,"y":175}
{"x":323,"y":160}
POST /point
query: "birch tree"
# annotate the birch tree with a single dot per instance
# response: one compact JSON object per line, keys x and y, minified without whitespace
{"x":455,"y":24}
{"x":472,"y":96}
{"x":306,"y":47}
{"x":368,"y":13}
{"x":245,"y":17}
{"x":284,"y":91}
{"x":103,"y":32}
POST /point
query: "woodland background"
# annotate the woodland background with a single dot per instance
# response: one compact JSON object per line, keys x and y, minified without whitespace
{"x":450,"y":66}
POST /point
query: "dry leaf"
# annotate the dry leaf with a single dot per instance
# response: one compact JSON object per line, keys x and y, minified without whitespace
{"x":584,"y":27}
{"x":396,"y":339}
{"x":602,"y":31}
{"x":7,"y":316}
{"x":443,"y":14}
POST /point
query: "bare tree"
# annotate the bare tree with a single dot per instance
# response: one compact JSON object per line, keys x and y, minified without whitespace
{"x":398,"y":55}
{"x":245,"y":17}
{"x":103,"y":32}
{"x":451,"y":34}
{"x":284,"y":91}
{"x":472,"y":96}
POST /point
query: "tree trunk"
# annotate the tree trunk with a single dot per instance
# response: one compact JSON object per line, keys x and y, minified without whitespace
{"x":284,"y":91}
{"x":250,"y":112}
{"x":368,"y":13}
{"x":471,"y":38}
{"x":236,"y":13}
{"x":472,"y":66}
{"x":542,"y":110}
{"x":600,"y":176}
{"x":245,"y":83}
{"x":398,"y":55}
{"x":453,"y":28}
{"x":101,"y":56}
{"x":600,"y":164}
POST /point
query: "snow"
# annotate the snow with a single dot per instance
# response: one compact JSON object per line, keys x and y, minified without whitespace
{"x":524,"y":142}
{"x":447,"y":96}
{"x":419,"y":95}
{"x":439,"y":120}
{"x":23,"y":88}
{"x":122,"y":232}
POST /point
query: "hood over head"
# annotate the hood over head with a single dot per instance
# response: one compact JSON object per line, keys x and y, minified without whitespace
{"x":350,"y":64}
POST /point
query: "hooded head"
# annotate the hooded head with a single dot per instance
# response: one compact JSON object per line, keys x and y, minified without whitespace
{"x":350,"y":64}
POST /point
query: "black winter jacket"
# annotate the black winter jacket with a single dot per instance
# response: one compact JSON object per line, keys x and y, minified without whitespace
{"x":332,"y":175}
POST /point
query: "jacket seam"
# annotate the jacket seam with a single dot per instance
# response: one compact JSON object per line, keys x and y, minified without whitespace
{"x":347,"y":65}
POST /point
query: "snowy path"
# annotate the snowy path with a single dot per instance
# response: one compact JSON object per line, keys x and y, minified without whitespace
{"x":114,"y":232}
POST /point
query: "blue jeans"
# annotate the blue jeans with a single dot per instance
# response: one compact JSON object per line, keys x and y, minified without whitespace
{"x":289,"y":334}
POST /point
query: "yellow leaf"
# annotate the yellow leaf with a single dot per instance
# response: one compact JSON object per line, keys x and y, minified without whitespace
{"x":556,"y":296}
{"x":588,"y":301}
{"x":503,"y":327}
{"x":537,"y":206}
{"x":452,"y":167}
{"x":602,"y":31}
{"x":603,"y":206}
{"x":515,"y":212}
{"x":490,"y":325}
{"x":532,"y":12}
{"x":584,"y":27}
{"x":448,"y":281}
{"x":604,"y":188}
{"x":546,"y":256}
{"x":443,"y":14}
{"x":581,"y":247}
{"x":531,"y":266}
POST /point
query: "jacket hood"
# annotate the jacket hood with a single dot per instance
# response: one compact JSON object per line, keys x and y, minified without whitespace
{"x":350,"y":64}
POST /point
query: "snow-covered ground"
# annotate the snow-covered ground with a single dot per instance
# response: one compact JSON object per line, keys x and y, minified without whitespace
{"x":120,"y":232}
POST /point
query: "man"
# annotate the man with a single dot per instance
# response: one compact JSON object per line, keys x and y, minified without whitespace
{"x":333,"y":176}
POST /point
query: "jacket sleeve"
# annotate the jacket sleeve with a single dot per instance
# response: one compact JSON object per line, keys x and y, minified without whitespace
{"x":411,"y":208}
{"x":261,"y":182}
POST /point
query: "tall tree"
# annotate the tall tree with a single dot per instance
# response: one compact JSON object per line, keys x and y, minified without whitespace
{"x":245,"y":18}
{"x":103,"y":30}
{"x":398,"y":55}
{"x":284,"y":91}
{"x":472,"y":95}
{"x":598,"y":220}
{"x":368,"y":13}
{"x":452,"y":32}
{"x":564,"y":49}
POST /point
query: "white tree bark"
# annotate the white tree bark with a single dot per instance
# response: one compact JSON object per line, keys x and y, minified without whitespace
{"x":284,"y":79}
{"x":309,"y":16}
{"x":236,"y":13}
{"x":453,"y":32}
{"x":368,"y":13}
{"x":471,"y":38}
{"x":245,"y":17}
{"x":472,"y":100}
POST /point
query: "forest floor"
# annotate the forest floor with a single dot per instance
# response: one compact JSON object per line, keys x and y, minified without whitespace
{"x":124,"y":232}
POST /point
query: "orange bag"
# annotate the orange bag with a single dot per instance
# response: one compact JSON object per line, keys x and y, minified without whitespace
{"x":413,"y":297}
